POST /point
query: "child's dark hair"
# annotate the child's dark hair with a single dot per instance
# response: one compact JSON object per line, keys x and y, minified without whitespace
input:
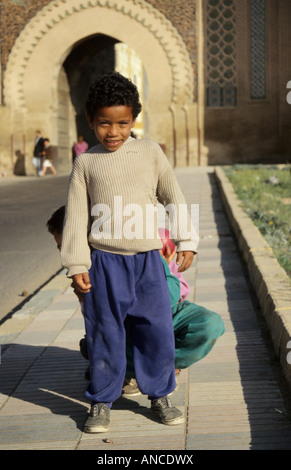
{"x":56,"y":222}
{"x":112,"y":89}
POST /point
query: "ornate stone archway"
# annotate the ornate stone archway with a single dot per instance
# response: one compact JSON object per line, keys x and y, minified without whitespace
{"x":35,"y":64}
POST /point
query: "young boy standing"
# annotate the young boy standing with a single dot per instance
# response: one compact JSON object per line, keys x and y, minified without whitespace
{"x":122,"y":275}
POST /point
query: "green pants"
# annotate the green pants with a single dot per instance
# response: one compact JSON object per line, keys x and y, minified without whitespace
{"x":196,"y":331}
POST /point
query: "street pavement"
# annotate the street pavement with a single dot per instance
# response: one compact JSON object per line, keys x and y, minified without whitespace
{"x":233,"y":399}
{"x":27,"y":257}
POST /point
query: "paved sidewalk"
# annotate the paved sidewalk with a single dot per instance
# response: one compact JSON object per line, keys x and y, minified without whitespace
{"x":232,"y":399}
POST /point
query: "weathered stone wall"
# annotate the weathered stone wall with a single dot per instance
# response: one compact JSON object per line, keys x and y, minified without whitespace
{"x":235,"y":117}
{"x":15,"y":15}
{"x":34,"y":60}
{"x":255,"y":129}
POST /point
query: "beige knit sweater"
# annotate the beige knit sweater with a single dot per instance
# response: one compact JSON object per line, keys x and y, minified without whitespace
{"x":112,"y":204}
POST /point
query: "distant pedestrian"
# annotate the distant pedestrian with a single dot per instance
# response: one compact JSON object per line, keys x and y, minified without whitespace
{"x":80,"y":147}
{"x":37,"y":153}
{"x":47,"y":158}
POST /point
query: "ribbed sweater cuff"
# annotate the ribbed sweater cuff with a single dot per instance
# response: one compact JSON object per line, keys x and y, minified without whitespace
{"x":187,"y":246}
{"x":72,"y":270}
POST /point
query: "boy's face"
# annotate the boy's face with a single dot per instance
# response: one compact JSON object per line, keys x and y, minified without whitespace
{"x":112,"y":126}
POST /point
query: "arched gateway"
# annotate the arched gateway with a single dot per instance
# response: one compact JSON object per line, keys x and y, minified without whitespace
{"x":35,"y":70}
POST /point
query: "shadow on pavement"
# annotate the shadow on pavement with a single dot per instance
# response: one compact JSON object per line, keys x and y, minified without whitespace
{"x":45,"y":381}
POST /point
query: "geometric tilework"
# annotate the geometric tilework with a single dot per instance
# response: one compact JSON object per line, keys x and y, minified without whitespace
{"x":258,"y":49}
{"x":221,"y":53}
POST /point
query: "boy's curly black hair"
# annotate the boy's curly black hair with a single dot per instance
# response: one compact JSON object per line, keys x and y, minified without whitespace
{"x":56,"y":222}
{"x":112,"y":89}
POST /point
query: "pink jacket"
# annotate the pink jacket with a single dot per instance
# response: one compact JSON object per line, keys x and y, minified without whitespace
{"x":185,"y":288}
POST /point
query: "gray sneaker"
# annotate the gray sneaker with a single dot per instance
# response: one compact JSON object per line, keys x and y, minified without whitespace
{"x":99,"y":418}
{"x":166,"y":412}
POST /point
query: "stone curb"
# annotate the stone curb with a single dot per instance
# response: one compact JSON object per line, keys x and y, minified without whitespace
{"x":270,"y":281}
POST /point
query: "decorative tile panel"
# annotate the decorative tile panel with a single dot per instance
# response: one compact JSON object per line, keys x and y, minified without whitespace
{"x":258,"y":49}
{"x":221,"y":53}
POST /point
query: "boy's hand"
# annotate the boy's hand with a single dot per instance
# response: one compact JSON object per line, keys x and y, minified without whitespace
{"x":168,"y":256}
{"x":81,"y":283}
{"x":78,"y":294}
{"x":187,"y":257}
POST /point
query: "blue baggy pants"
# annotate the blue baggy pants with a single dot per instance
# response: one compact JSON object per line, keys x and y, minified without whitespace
{"x":132,"y":287}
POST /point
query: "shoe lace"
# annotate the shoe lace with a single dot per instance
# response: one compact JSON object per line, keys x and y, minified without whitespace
{"x":165,"y":402}
{"x":95,"y":410}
